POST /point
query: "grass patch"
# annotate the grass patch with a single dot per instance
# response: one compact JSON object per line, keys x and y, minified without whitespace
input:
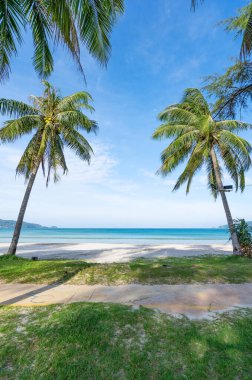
{"x":206,"y":269}
{"x":98,"y":341}
{"x":16,"y":269}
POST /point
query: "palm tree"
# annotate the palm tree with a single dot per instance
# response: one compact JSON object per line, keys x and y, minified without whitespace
{"x":68,"y":22}
{"x":201,"y":140}
{"x":55,"y":122}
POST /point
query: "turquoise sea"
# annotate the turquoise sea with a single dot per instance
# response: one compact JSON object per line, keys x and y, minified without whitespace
{"x":121,"y":235}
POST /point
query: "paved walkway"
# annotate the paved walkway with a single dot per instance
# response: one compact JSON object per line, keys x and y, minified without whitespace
{"x":194,"y":301}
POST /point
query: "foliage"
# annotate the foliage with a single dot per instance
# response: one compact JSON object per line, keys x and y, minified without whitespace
{"x":68,"y":22}
{"x":108,"y":341}
{"x":195,"y":134}
{"x":233,"y":89}
{"x":241,"y":24}
{"x":55,"y":122}
{"x":185,"y":270}
{"x":244,"y":234}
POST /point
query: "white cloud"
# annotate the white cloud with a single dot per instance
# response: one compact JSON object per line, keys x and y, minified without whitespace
{"x":97,"y":196}
{"x":159,"y":180}
{"x":9,"y":156}
{"x":101,"y":167}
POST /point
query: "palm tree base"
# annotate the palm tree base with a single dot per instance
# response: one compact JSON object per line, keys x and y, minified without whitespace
{"x":11,"y":251}
{"x":13,"y":245}
{"x":237,"y":252}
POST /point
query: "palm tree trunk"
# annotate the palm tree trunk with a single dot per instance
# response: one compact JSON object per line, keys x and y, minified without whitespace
{"x":235,"y":242}
{"x":20,"y":219}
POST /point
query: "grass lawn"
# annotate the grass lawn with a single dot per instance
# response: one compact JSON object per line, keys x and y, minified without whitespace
{"x":98,"y":341}
{"x":207,"y":269}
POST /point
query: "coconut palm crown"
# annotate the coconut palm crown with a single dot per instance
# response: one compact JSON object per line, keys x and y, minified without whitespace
{"x":195,"y":133}
{"x":201,"y":141}
{"x":54,"y":122}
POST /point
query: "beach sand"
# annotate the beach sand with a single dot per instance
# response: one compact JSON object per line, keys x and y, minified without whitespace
{"x":109,"y":253}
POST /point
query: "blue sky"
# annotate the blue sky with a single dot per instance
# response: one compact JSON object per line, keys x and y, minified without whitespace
{"x":159,"y":49}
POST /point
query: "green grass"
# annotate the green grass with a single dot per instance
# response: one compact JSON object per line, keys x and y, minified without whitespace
{"x":98,"y":341}
{"x":207,"y":269}
{"x":15,"y":269}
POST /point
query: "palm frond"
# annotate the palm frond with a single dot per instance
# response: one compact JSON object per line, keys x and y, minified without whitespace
{"x":77,"y":100}
{"x":171,"y":130}
{"x":239,"y":146}
{"x":233,"y":125}
{"x":194,"y":164}
{"x":246,"y":46}
{"x":95,"y":20}
{"x":65,"y":31}
{"x":76,"y":142}
{"x":171,"y":161}
{"x":41,"y":27}
{"x":194,"y":101}
{"x":232,"y":163}
{"x":187,"y":138}
{"x":76,"y":119}
{"x":11,"y":22}
{"x":242,"y":179}
{"x":178,"y":114}
{"x":15,"y":108}
{"x":28,"y":159}
{"x":14,"y":129}
{"x":55,"y":159}
{"x":212,"y":181}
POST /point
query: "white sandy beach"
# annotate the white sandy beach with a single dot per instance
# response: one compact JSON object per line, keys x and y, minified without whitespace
{"x":108,"y":253}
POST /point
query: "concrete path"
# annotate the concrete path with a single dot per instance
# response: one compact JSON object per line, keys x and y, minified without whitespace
{"x":194,"y":301}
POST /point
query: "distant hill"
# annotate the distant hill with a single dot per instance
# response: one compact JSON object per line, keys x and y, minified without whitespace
{"x":226,"y":226}
{"x":11,"y":224}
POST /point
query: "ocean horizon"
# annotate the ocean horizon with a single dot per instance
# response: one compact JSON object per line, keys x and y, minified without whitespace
{"x":120,"y":235}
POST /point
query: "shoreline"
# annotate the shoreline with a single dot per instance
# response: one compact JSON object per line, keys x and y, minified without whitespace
{"x":115,"y":252}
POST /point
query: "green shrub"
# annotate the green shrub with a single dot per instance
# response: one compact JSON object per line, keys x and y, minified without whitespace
{"x":244,"y":234}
